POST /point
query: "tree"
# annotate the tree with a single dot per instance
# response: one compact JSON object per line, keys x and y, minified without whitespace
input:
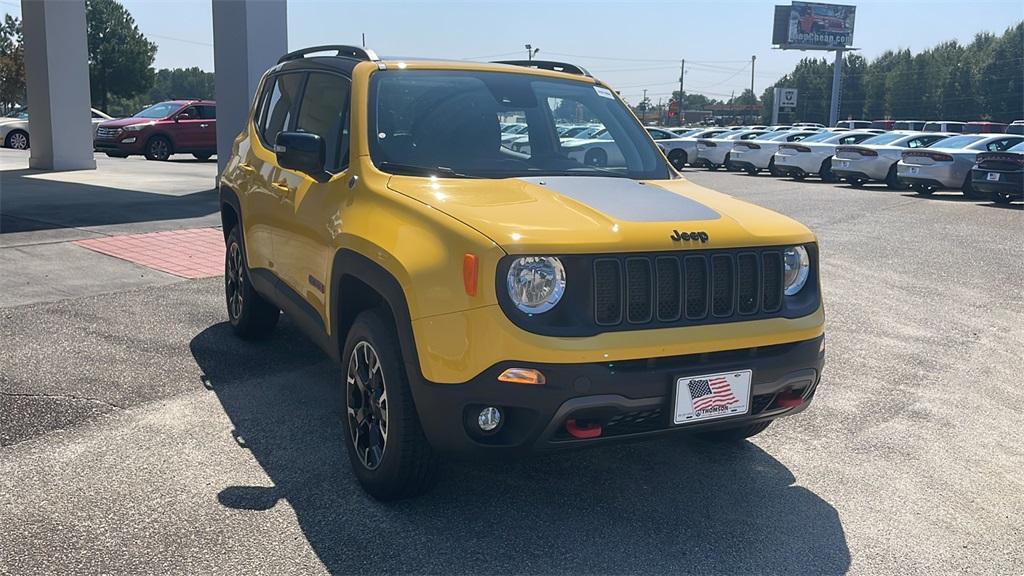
{"x":120,"y":57}
{"x":12,"y":63}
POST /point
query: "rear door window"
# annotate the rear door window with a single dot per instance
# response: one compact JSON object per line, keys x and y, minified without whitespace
{"x":207,"y":112}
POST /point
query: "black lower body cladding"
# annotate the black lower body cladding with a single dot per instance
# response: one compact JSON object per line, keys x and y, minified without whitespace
{"x":626,"y":400}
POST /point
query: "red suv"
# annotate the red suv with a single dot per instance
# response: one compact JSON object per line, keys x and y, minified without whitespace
{"x":172,"y":127}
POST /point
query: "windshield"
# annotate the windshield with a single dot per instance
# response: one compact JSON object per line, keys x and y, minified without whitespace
{"x":1017,"y":148}
{"x":161,"y":110}
{"x":956,"y":142}
{"x":19,"y":113}
{"x":683,"y":133}
{"x":774,"y":135}
{"x":884,"y":138}
{"x":447,"y":123}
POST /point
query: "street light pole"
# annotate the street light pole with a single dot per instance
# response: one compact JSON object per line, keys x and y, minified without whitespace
{"x":531,"y":51}
{"x":682,"y":74}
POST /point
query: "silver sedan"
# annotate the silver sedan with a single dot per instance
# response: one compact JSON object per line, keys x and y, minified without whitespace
{"x":813,"y":154}
{"x":759,"y":154}
{"x":683,"y":150}
{"x":875,"y":159}
{"x":946,"y":164}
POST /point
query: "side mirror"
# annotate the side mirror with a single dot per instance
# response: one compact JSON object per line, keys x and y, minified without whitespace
{"x":181,"y":117}
{"x":300,"y":151}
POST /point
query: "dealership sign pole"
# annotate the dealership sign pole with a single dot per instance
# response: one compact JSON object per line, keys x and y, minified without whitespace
{"x":814,"y":26}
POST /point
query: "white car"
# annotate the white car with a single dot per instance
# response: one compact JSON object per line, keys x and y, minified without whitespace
{"x":758,"y":154}
{"x":947,"y":163}
{"x":813,"y":155}
{"x":682,"y":150}
{"x":713,"y":153}
{"x":875,"y":159}
{"x":14,"y":127}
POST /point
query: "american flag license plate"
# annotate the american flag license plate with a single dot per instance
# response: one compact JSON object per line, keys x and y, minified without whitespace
{"x":712,"y":396}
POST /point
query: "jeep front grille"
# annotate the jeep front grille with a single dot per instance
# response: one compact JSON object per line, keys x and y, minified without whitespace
{"x":686,"y":288}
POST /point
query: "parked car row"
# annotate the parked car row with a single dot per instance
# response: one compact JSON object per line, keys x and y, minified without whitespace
{"x":1017,"y":127}
{"x":978,"y":165}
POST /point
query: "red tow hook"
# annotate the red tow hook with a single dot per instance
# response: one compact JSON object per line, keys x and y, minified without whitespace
{"x":582,"y":432}
{"x":789,"y":400}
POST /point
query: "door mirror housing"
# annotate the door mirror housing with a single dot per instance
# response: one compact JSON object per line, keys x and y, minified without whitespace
{"x":302,"y":152}
{"x":182,"y":116}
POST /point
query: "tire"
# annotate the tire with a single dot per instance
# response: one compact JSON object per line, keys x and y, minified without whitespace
{"x":799,"y":176}
{"x":752,"y":171}
{"x":923,"y":190}
{"x":386,"y":446}
{"x":712,"y":167}
{"x":893,"y":181}
{"x":596,"y":157}
{"x":969,"y":190}
{"x":678,"y":158}
{"x":728,"y":166}
{"x":250,"y":315}
{"x":855,"y":182}
{"x":17,"y":139}
{"x":204,"y":156}
{"x":825,"y":171}
{"x":772,"y":169}
{"x":1000,"y":198}
{"x":116,"y":155}
{"x":737,"y":434}
{"x":159,"y":148}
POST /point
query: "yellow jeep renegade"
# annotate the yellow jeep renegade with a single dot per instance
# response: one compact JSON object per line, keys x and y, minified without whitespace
{"x":491,"y":287}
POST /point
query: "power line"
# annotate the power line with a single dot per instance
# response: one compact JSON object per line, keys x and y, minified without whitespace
{"x":197,"y":42}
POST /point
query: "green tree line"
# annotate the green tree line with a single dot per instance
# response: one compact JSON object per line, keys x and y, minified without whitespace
{"x":121,"y":75}
{"x":983,"y":80}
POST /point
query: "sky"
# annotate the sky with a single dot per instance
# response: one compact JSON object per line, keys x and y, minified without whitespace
{"x":629,"y":45}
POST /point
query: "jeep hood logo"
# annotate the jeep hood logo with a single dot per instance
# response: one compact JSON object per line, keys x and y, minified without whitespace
{"x":678,"y":236}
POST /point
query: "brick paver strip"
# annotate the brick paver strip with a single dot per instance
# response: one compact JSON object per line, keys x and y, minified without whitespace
{"x":191,"y":253}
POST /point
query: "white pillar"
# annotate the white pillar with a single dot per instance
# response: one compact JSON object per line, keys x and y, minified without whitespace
{"x":57,"y":80}
{"x":248,"y":37}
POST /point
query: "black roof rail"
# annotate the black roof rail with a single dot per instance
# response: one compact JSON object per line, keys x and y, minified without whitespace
{"x":547,"y":65}
{"x":354,"y":52}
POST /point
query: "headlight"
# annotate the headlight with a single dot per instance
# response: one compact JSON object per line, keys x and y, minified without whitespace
{"x":536,"y":283}
{"x":134,"y":127}
{"x":798,"y":268}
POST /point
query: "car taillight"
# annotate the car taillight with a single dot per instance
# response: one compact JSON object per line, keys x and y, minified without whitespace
{"x":750,"y":145}
{"x":707,"y":143}
{"x":936,"y":156}
{"x":796,"y":147}
{"x":857,"y":150}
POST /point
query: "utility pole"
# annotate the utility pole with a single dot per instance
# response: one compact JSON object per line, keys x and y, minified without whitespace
{"x":682,"y":74}
{"x":753,"y":94}
{"x":364,"y":39}
{"x":643,"y":111}
{"x":837,"y":87}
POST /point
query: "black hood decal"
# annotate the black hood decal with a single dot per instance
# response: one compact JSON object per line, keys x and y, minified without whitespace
{"x":627,"y":200}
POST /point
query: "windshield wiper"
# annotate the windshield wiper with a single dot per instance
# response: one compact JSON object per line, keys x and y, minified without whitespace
{"x":417,"y":170}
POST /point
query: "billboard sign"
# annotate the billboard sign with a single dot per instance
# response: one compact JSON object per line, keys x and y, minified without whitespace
{"x":814,"y":26}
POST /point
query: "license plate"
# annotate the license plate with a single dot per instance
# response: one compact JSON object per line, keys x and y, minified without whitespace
{"x":712,"y":396}
{"x":914,"y":169}
{"x":993,"y":176}
{"x":844,"y":163}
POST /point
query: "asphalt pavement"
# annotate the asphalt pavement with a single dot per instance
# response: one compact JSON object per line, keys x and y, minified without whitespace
{"x":138,"y":436}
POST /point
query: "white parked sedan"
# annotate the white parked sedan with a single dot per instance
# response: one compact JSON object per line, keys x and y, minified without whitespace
{"x":947,"y":163}
{"x":874,"y":159}
{"x":713,"y":153}
{"x":813,"y":154}
{"x":14,"y":127}
{"x":683,"y":149}
{"x":759,"y":154}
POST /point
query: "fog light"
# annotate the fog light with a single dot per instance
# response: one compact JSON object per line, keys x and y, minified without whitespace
{"x":489,"y":419}
{"x":128,"y":141}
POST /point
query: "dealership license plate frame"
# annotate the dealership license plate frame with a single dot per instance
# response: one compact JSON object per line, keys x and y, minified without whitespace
{"x":914,"y":170}
{"x":682,"y":402}
{"x":990,"y":178}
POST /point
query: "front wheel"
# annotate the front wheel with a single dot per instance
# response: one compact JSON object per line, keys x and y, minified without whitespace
{"x":772,"y":169}
{"x":386,"y":446}
{"x":855,"y":182}
{"x":923,"y":189}
{"x":116,"y":155}
{"x":158,"y":148}
{"x":250,"y":315}
{"x":969,"y":190}
{"x":752,"y":171}
{"x":734,"y":434}
{"x":1000,"y":198}
{"x":892,"y":180}
{"x":825,"y":171}
{"x":204,"y":156}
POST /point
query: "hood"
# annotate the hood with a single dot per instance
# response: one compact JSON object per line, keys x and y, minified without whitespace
{"x":566,"y":214}
{"x":130,"y":121}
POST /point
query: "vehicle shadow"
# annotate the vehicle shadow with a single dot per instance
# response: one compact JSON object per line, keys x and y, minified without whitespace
{"x":946,"y":196}
{"x":30,"y":204}
{"x":670,"y":505}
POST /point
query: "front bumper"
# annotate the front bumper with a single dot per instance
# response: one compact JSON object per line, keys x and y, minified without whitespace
{"x":119,"y":145}
{"x":629,"y":399}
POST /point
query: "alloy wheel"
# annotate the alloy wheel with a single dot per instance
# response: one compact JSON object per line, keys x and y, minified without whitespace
{"x":234,"y":278}
{"x":18,"y":141}
{"x":367,"y":405}
{"x":158,"y":149}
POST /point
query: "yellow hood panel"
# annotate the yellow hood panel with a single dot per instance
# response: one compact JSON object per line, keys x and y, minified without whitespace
{"x":584,"y":214}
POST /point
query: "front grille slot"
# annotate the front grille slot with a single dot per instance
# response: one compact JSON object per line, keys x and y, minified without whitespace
{"x":638,"y":290}
{"x":686,"y":288}
{"x":106,"y":133}
{"x":607,"y":292}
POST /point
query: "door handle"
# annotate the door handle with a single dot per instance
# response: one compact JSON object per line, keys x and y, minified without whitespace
{"x":246,"y":167}
{"x":203,"y":125}
{"x":282,"y":187}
